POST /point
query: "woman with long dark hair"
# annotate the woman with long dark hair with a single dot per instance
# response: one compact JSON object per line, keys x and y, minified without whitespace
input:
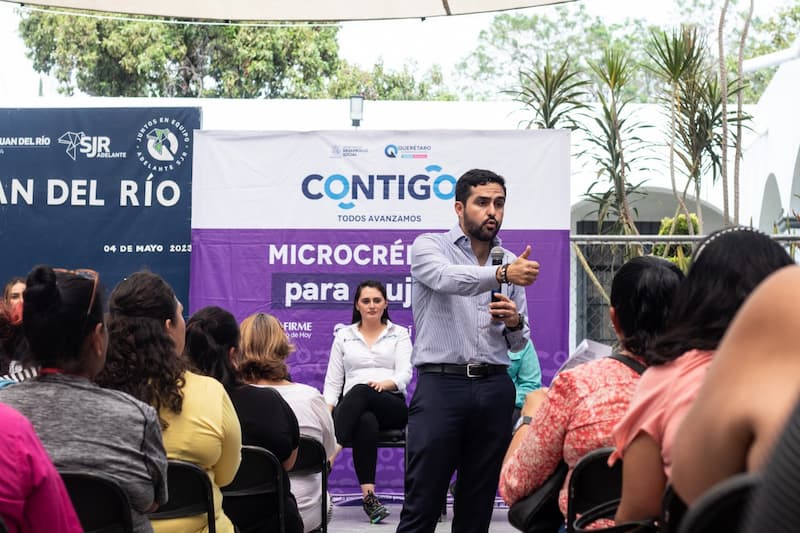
{"x":82,"y":426}
{"x":724,"y":270}
{"x":368,"y":372}
{"x":749,"y":392}
{"x":146,"y":340}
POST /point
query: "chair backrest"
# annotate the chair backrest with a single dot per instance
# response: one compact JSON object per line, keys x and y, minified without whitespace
{"x":311,"y":458}
{"x":257,"y":488}
{"x":592,"y":483}
{"x":190,"y":494}
{"x":99,"y":502}
{"x":723,"y":507}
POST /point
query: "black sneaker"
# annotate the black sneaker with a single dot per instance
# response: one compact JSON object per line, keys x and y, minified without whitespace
{"x":374,"y":508}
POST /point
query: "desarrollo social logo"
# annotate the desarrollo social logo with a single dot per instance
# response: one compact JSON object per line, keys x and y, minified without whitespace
{"x":347,"y":189}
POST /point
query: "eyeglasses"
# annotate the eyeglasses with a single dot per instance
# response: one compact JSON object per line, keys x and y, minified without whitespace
{"x":85,"y":273}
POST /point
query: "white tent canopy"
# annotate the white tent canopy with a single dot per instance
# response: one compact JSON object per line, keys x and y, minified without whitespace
{"x":296,"y":10}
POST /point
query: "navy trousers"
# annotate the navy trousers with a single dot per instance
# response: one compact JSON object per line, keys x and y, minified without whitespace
{"x":456,"y":423}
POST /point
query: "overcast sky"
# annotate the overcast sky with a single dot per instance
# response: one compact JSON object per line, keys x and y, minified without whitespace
{"x":436,"y":40}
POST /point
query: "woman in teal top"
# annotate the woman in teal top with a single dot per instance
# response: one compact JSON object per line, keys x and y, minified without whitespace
{"x":525,"y":373}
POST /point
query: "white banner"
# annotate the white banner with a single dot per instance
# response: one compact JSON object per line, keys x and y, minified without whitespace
{"x":373,"y":179}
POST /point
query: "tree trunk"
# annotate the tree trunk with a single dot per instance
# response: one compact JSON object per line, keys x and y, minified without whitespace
{"x":627,"y":217}
{"x":723,"y":85}
{"x":681,"y":202}
{"x":739,"y":97}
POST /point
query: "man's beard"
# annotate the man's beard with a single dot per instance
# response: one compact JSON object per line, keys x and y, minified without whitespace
{"x":480,"y":231}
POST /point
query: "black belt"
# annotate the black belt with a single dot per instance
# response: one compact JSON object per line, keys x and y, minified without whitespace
{"x":471,"y":370}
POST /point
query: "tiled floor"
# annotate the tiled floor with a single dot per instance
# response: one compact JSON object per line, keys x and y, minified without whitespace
{"x":351,"y":519}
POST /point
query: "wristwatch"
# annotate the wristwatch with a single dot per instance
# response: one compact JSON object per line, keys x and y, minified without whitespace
{"x":522,"y":421}
{"x":520,"y":324}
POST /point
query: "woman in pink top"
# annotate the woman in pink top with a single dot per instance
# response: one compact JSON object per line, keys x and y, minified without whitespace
{"x":583,"y":403}
{"x":747,"y":397}
{"x":725,"y":268}
{"x":32,"y":495}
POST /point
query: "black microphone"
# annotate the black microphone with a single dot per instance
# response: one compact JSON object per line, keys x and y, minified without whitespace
{"x":497,"y":254}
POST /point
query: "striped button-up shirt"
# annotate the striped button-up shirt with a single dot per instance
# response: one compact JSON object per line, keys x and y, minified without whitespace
{"x":450,"y":300}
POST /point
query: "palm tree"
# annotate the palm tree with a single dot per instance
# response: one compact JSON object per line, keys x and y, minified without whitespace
{"x":675,"y":58}
{"x":554,"y":93}
{"x":614,"y":143}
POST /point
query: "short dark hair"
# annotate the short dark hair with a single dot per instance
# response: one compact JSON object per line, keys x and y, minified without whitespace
{"x":371,"y":283}
{"x":642,"y":293}
{"x":210,"y":334}
{"x":725,"y":269}
{"x":55,"y":318}
{"x":473,"y":178}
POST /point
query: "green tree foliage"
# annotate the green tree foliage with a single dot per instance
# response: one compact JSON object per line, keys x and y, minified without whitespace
{"x":111,"y":56}
{"x":778,"y":32}
{"x":383,"y":84}
{"x":114,"y":57}
{"x":515,"y":42}
{"x":554,"y":93}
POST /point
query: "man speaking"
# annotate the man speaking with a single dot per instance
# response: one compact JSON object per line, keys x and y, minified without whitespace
{"x":468,"y":313}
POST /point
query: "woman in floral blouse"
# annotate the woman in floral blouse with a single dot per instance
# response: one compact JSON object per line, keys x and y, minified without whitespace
{"x":584,"y":403}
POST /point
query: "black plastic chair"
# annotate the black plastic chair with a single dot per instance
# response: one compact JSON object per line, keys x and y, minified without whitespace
{"x":393,"y":438}
{"x":312,"y":459}
{"x":257,"y":487}
{"x":539,"y":511}
{"x":3,"y":528}
{"x":723,"y":507}
{"x":100,"y":503}
{"x":190,"y":494}
{"x":592,"y":483}
{"x":672,"y":511}
{"x":584,"y":524}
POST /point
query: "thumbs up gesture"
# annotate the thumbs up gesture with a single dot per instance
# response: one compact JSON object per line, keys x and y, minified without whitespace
{"x":523,"y":271}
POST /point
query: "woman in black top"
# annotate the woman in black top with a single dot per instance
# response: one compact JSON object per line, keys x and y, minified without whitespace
{"x":267,"y":421}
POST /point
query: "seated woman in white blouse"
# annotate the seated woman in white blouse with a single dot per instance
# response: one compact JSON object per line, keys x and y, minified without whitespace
{"x":369,"y":368}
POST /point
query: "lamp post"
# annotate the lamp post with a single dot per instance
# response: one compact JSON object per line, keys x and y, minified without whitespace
{"x":356,"y":109}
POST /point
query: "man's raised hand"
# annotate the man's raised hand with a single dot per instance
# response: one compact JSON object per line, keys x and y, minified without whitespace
{"x":523,"y":271}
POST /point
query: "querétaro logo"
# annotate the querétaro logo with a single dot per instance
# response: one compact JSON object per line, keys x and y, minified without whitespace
{"x":162,"y":144}
{"x":346,"y":189}
{"x":91,"y":146}
{"x":407,"y":151}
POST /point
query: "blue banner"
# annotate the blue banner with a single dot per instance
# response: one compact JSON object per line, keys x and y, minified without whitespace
{"x":102,"y":188}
